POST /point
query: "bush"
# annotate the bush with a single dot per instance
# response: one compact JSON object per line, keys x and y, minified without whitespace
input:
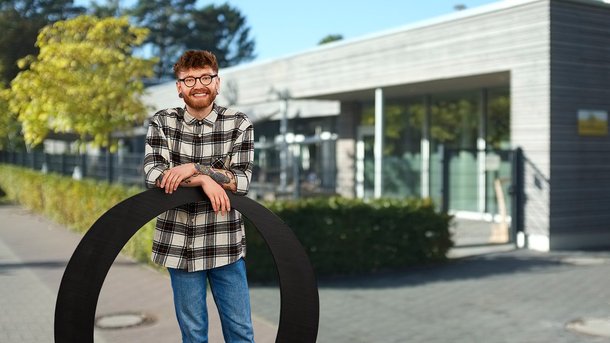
{"x":76,"y":204}
{"x":346,"y":236}
{"x":340,"y":235}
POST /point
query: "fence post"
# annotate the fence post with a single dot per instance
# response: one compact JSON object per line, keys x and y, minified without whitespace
{"x":83,"y":164}
{"x":518,"y":193}
{"x":109,"y":166}
{"x":63,"y":164}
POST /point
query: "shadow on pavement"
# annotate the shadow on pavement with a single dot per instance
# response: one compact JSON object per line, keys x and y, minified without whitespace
{"x":484,"y":266}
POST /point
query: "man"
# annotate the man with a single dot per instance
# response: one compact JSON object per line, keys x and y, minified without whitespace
{"x":209,"y":146}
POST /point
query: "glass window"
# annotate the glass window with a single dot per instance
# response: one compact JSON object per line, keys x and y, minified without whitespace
{"x":498,"y":174}
{"x":365,"y":152}
{"x":403,"y":123}
{"x":498,"y":119}
{"x":454,"y":129}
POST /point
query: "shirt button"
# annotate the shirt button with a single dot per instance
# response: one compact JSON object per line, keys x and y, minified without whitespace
{"x":200,"y":123}
{"x":199,"y":135}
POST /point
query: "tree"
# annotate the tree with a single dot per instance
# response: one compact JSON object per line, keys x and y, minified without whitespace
{"x":84,"y":80}
{"x":10,"y":137}
{"x":177,"y":25}
{"x":20,"y":21}
{"x":330,"y":38}
{"x":110,"y":8}
{"x":167,"y":21}
{"x":223,"y":31}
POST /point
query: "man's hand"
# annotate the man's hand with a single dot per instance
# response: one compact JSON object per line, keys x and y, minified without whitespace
{"x":174,"y":176}
{"x":217,"y":195}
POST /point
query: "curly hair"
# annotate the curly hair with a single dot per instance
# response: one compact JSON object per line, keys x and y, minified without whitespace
{"x":195,"y":59}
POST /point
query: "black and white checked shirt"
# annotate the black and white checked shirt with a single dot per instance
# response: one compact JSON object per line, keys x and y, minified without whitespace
{"x":192,"y":236}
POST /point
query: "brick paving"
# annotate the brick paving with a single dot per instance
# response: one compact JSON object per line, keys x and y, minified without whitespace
{"x":515,"y":296}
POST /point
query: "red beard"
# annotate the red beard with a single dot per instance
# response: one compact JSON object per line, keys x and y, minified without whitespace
{"x":197,"y":103}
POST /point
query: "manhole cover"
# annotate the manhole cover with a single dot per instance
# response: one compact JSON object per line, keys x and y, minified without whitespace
{"x":122,"y":320}
{"x":599,"y":327}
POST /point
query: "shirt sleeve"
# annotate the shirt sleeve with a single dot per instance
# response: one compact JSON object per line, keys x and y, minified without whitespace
{"x":242,"y":157}
{"x":156,"y":158}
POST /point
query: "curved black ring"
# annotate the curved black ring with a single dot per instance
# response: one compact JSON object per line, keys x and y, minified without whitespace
{"x":85,"y":273}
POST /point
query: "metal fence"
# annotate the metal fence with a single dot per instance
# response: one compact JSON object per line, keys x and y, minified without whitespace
{"x":123,"y":168}
{"x":308,"y":170}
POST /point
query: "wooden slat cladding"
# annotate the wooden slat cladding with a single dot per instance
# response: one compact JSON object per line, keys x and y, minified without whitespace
{"x":580,"y":79}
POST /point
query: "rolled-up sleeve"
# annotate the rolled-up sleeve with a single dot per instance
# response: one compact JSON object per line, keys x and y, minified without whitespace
{"x":156,"y":158}
{"x":242,"y":157}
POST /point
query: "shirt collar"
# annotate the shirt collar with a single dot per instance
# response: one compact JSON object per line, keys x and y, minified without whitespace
{"x":209,"y":120}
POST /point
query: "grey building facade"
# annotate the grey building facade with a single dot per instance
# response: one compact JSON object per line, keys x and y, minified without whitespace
{"x":472,"y":85}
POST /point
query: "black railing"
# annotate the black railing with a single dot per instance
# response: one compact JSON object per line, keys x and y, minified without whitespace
{"x":123,"y":168}
{"x":126,"y":168}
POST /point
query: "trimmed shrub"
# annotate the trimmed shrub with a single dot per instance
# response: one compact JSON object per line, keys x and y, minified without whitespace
{"x":346,"y":236}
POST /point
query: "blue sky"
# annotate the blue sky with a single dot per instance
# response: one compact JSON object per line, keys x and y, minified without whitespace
{"x":283,"y":28}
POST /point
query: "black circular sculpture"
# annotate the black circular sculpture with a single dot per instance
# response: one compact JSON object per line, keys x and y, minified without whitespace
{"x":85,"y":273}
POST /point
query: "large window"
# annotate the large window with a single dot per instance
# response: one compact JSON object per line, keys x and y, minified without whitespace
{"x":469,"y":149}
{"x":403,"y":120}
{"x":454,"y":129}
{"x":402,"y":148}
{"x":498,"y":173}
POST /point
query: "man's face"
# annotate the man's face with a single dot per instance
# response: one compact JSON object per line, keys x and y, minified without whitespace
{"x":199,"y":96}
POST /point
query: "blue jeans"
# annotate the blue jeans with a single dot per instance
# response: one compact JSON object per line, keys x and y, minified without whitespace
{"x":230,"y":290}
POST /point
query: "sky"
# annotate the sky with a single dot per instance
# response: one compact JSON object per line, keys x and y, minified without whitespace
{"x":283,"y":28}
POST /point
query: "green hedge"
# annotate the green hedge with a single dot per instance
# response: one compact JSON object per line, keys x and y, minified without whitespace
{"x":341,"y":236}
{"x":76,"y":204}
{"x":346,"y":236}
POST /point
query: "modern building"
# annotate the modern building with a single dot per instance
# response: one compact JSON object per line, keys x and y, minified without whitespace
{"x":436,"y":109}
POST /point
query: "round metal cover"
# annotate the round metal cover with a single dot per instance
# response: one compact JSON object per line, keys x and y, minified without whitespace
{"x":599,"y":327}
{"x":121,"y":320}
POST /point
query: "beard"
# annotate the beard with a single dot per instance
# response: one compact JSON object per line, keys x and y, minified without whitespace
{"x":197,"y":103}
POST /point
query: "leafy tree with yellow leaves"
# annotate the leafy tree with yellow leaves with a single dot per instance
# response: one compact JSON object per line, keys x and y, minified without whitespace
{"x":85,"y":80}
{"x":10,"y":137}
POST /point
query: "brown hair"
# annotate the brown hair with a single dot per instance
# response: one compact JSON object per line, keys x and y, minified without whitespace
{"x":195,"y":59}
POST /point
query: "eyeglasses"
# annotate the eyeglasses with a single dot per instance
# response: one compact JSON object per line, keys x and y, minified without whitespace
{"x":204,"y":79}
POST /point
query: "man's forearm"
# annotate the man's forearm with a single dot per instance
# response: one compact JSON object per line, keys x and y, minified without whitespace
{"x":224,"y":178}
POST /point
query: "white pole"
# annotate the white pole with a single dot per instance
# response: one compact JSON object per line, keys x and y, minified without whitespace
{"x":378,"y":142}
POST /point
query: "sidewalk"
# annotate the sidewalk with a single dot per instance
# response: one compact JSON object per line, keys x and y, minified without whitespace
{"x":515,"y":296}
{"x":33,"y":255}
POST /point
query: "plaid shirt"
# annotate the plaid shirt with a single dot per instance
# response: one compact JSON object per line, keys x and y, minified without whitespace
{"x":192,"y":236}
